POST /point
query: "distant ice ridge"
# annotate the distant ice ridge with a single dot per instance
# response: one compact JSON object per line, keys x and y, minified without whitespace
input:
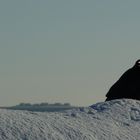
{"x":112,"y":120}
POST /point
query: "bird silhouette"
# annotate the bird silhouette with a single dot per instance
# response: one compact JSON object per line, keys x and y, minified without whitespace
{"x":128,"y":86}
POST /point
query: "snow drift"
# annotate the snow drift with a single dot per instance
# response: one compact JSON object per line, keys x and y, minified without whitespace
{"x":112,"y":120}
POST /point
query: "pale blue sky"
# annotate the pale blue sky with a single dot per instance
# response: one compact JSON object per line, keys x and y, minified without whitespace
{"x":65,"y":50}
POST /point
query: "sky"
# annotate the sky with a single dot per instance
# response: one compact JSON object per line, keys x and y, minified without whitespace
{"x":65,"y":51}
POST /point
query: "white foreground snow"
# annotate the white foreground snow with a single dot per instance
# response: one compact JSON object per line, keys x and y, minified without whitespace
{"x":113,"y":120}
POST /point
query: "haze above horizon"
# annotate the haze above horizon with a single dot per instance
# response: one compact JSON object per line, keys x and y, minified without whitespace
{"x":65,"y":51}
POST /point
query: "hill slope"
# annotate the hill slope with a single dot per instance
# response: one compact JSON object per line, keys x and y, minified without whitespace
{"x":113,"y":120}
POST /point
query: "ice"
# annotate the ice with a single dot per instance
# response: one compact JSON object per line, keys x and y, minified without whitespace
{"x":112,"y":120}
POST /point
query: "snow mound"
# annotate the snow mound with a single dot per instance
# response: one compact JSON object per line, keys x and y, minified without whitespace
{"x":112,"y":120}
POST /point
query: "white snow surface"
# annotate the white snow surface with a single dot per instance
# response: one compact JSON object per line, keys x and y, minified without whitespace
{"x":112,"y":120}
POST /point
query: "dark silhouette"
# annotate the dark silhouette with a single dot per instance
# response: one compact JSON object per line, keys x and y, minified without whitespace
{"x":128,"y":86}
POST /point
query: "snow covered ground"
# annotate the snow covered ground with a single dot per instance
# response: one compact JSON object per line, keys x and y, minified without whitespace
{"x":112,"y":120}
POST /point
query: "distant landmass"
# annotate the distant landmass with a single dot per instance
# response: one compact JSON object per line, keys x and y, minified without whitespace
{"x":42,"y":107}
